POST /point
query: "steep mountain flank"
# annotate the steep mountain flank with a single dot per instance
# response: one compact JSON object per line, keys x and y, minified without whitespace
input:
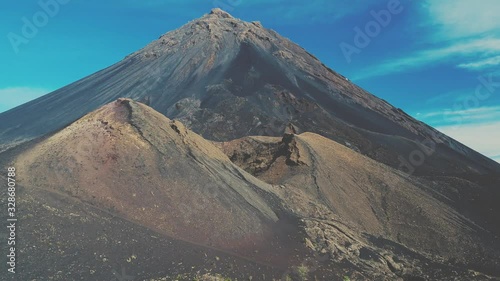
{"x":350,"y":202}
{"x":225,"y":78}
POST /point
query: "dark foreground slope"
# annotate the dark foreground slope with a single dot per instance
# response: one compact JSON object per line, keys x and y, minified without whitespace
{"x":225,"y":78}
{"x":62,"y":238}
{"x":125,"y":187}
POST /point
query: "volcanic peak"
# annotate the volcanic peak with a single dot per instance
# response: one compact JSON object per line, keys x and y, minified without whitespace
{"x":220,"y":13}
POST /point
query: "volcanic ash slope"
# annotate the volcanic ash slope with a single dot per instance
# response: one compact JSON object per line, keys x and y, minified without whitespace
{"x":361,"y":211}
{"x":127,"y":158}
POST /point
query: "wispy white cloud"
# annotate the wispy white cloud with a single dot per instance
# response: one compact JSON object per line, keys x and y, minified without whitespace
{"x":463,"y":18}
{"x":468,"y":50}
{"x":494,"y":110}
{"x":478,"y":128}
{"x":481,"y":137}
{"x":457,"y":118}
{"x":482,"y":64}
{"x":14,"y":96}
{"x":462,"y":33}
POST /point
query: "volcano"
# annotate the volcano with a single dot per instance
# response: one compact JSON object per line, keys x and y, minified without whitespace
{"x":225,"y":79}
{"x":224,"y":149}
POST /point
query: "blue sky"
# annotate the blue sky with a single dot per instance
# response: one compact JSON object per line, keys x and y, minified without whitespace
{"x":437,"y":60}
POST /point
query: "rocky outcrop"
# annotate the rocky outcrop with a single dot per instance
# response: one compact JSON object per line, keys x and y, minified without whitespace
{"x":358,"y":211}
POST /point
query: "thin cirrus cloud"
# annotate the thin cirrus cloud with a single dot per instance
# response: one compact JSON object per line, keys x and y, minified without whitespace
{"x":469,"y":50}
{"x":461,"y":33}
{"x":482,"y":64}
{"x":478,"y":128}
{"x":457,"y":118}
{"x":14,"y":96}
{"x":483,"y":137}
{"x":463,"y":18}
